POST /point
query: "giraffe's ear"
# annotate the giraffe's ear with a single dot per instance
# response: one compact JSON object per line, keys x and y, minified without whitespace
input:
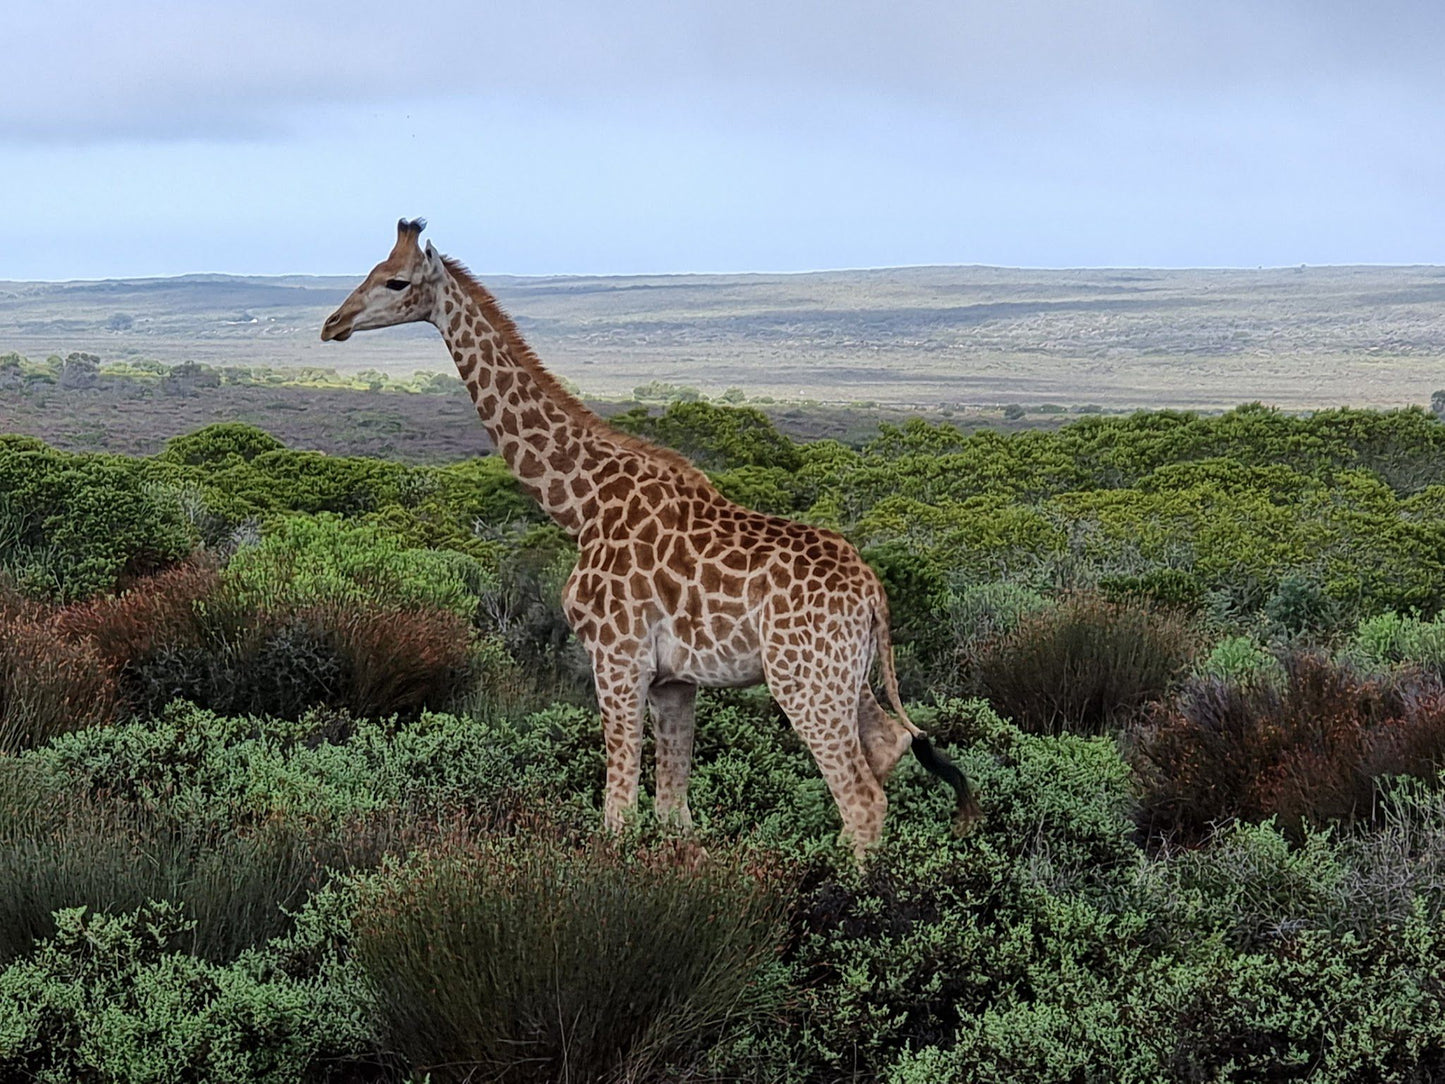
{"x":433,"y":260}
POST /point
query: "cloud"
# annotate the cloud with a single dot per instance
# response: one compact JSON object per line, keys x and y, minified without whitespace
{"x":111,"y":70}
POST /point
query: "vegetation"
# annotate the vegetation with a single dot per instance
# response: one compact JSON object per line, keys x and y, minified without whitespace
{"x":300,"y":778}
{"x":581,"y":961}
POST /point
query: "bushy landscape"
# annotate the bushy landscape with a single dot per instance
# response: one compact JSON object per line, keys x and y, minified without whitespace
{"x":300,"y":775}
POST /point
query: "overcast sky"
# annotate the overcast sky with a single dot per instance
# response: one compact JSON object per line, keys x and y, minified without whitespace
{"x":548,"y":136}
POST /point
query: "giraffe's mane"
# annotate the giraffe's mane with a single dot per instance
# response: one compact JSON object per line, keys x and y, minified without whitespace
{"x":672,"y":462}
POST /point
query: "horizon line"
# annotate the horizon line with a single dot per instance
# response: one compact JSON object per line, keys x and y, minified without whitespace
{"x":859,"y":269}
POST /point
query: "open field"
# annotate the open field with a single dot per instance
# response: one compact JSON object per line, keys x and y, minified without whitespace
{"x":1204,"y":339}
{"x":133,"y":418}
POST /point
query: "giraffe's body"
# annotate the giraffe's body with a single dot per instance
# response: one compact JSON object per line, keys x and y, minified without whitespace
{"x":676,"y":587}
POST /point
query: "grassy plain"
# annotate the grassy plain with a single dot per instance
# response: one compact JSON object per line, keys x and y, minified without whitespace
{"x":1299,"y":338}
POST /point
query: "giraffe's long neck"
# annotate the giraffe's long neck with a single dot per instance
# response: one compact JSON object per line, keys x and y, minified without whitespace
{"x":554,"y":446}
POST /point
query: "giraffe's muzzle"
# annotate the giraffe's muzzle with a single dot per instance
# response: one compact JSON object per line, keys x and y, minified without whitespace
{"x":336,"y":329}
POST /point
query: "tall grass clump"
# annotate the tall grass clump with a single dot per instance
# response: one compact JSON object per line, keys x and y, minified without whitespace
{"x":1305,"y":750}
{"x":239,"y":885}
{"x":531,"y":958}
{"x":1086,"y":665}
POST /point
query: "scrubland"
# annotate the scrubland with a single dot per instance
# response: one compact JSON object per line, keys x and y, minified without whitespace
{"x":300,"y":773}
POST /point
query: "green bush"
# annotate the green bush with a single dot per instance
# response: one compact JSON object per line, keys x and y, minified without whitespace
{"x":244,"y":771}
{"x":715,"y":437}
{"x":1390,"y":640}
{"x":73,"y":525}
{"x":216,"y":445}
{"x":1240,"y":660}
{"x":302,"y":561}
{"x":108,"y":999}
{"x":529,"y":958}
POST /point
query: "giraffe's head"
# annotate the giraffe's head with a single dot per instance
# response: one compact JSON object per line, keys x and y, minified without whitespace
{"x":400,"y":290}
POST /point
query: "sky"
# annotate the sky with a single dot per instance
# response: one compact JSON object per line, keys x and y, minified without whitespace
{"x":561,"y":137}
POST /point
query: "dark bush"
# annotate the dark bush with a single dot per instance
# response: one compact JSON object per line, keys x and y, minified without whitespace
{"x":1086,"y":665}
{"x":371,"y":661}
{"x":534,"y":959}
{"x":1306,"y":750}
{"x":396,"y":661}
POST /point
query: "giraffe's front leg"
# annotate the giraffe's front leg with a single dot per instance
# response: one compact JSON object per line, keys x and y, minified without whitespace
{"x":620,"y":688}
{"x":673,"y":705}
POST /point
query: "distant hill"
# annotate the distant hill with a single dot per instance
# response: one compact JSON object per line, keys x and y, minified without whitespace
{"x":1299,"y":337}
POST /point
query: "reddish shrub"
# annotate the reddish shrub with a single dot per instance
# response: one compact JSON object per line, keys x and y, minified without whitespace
{"x":49,"y":683}
{"x":179,"y":634}
{"x":156,"y":612}
{"x":1306,"y":751}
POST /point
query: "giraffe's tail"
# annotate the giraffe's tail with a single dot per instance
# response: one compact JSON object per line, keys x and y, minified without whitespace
{"x":966,"y":809}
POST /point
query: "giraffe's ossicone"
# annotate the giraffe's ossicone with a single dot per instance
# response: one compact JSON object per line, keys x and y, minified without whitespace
{"x":676,"y":587}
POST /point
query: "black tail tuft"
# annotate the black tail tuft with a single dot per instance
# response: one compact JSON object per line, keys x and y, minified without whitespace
{"x":966,"y":810}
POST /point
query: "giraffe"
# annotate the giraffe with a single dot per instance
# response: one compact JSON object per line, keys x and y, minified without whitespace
{"x":675,"y":587}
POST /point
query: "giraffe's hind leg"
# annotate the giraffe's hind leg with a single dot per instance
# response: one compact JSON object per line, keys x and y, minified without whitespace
{"x":827,"y":721}
{"x":673,"y":705}
{"x":884,"y":739}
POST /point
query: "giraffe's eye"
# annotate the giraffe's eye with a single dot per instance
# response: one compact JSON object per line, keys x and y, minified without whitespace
{"x":397,"y":284}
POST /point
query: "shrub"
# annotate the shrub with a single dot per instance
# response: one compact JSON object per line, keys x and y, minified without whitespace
{"x":303,"y":561}
{"x":189,"y":633}
{"x":215,"y":445}
{"x":325,"y":769}
{"x":1239,"y":659}
{"x":369,"y":660}
{"x":975,"y":614}
{"x":74,"y":525}
{"x":524,"y":607}
{"x":1388,"y":640}
{"x":715,"y":437}
{"x":49,"y":684}
{"x":531,"y":958}
{"x":1305,"y":751}
{"x":108,"y":999}
{"x":395,"y":661}
{"x":157,"y":612}
{"x":1300,"y":605}
{"x":1087,"y":665}
{"x":1161,"y":586}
